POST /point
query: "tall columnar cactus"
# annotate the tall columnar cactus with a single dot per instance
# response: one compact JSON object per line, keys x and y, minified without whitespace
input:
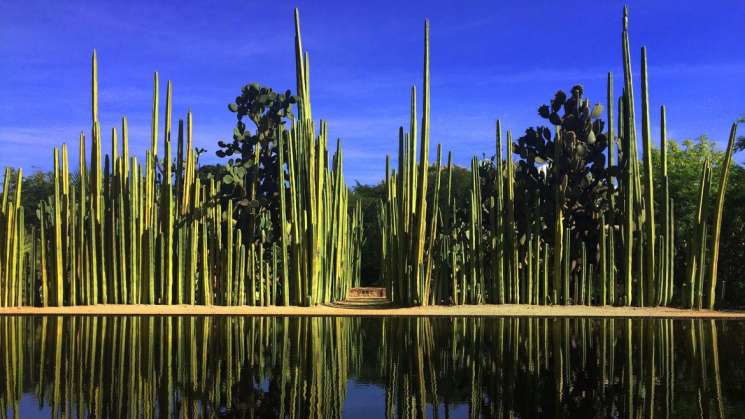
{"x":476,"y":272}
{"x":57,"y":243}
{"x":699,"y":236}
{"x":649,"y":221}
{"x":432,"y":227}
{"x":629,"y":151}
{"x":499,"y":248}
{"x":611,"y":136}
{"x":12,"y":231}
{"x":284,"y":230}
{"x":723,"y":177}
{"x":421,"y":213}
{"x":666,"y":264}
{"x":604,"y":265}
{"x":558,"y":222}
{"x":406,"y":208}
{"x":511,"y":250}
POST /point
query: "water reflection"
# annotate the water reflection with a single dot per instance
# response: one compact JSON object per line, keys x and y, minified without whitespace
{"x":412,"y":367}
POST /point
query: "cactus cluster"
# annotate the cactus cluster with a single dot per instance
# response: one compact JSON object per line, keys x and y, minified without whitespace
{"x":573,"y":220}
{"x":119,"y":232}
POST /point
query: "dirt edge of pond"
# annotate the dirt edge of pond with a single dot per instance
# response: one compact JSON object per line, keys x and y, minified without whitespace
{"x":356,"y":310}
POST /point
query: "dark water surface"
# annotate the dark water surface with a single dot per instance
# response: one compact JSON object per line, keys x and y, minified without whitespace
{"x":119,"y":367}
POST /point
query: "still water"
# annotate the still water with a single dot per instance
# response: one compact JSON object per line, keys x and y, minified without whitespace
{"x":267,"y":367}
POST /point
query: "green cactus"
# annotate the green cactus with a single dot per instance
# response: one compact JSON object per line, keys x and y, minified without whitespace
{"x":723,"y":177}
{"x":649,"y":221}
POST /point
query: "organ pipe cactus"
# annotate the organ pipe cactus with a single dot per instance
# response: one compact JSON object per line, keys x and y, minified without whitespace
{"x":629,"y":151}
{"x":627,"y":219}
{"x":128,"y":233}
{"x":698,"y":241}
{"x":723,"y":177}
{"x":649,"y":221}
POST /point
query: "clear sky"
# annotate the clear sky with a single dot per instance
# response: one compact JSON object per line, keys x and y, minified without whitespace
{"x":490,"y":59}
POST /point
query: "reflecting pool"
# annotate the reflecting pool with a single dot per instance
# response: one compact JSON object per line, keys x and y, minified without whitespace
{"x":267,"y":367}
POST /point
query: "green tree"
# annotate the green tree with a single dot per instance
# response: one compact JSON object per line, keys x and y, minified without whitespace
{"x":37,"y":187}
{"x":369,"y":197}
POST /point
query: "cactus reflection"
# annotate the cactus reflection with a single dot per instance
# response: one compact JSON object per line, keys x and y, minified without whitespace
{"x":300,"y":367}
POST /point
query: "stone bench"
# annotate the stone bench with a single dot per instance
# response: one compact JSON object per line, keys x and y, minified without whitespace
{"x":366,"y":292}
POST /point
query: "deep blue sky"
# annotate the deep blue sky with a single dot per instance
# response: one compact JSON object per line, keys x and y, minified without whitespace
{"x":489,"y":60}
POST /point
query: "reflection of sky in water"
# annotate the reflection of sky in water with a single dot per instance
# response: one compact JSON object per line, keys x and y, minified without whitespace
{"x":29,"y":408}
{"x":363,"y":401}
